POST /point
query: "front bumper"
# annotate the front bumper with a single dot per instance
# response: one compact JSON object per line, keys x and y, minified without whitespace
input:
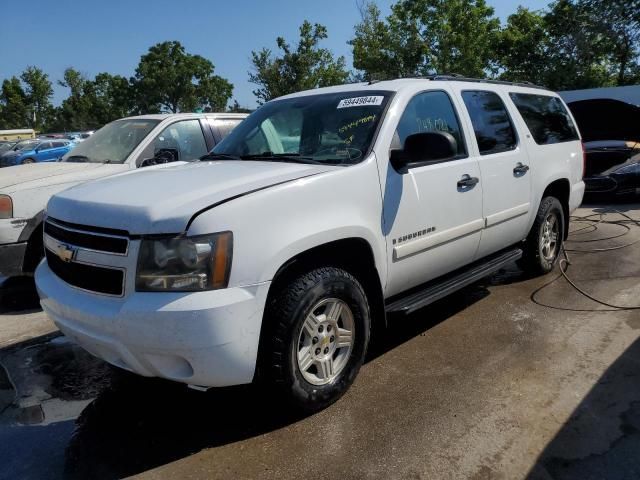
{"x":206,"y":339}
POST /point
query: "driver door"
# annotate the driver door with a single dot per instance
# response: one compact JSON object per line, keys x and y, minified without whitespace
{"x":432,"y":223}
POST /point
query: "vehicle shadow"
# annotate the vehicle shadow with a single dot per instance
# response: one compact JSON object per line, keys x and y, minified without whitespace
{"x":601,"y":438}
{"x":18,"y":294}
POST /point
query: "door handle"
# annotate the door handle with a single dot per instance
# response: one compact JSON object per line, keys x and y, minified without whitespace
{"x":520,"y":169}
{"x":467,"y":181}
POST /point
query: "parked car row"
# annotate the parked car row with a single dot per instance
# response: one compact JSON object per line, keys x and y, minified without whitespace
{"x":35,"y":150}
{"x":50,"y":147}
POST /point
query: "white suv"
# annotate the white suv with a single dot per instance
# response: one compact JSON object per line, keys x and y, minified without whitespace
{"x":318,"y":215}
{"x":120,"y":146}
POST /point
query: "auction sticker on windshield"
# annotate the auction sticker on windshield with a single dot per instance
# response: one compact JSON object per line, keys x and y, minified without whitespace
{"x":360,"y":101}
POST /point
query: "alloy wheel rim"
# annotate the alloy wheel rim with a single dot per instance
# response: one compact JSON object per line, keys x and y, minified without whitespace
{"x":325,"y":341}
{"x":549,"y":237}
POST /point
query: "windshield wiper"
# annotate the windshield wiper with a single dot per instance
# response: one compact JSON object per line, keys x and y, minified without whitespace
{"x":77,"y":159}
{"x":219,"y":156}
{"x":280,"y":157}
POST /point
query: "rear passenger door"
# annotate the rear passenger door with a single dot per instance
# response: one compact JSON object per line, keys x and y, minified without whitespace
{"x":45,"y":152}
{"x":59,"y":149}
{"x":504,"y":165}
{"x":431,"y":219}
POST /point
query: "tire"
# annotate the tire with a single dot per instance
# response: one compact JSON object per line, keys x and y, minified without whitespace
{"x":27,"y":161}
{"x":541,"y":251}
{"x":311,"y":367}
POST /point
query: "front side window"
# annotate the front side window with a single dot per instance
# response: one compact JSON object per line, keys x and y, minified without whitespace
{"x":113,"y":143}
{"x":27,"y":145}
{"x":184,"y":137}
{"x":546,"y":117}
{"x":428,"y":112}
{"x":332,"y":128}
{"x":491,"y":123}
{"x":44,"y":146}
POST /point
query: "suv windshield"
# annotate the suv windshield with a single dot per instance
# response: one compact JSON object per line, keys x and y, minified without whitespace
{"x":333,"y":128}
{"x":112,"y":143}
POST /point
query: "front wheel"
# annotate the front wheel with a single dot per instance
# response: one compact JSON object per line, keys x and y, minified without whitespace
{"x":26,"y":161}
{"x":318,"y":337}
{"x":544,"y":243}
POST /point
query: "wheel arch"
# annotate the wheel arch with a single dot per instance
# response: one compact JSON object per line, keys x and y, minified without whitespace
{"x":32,"y":234}
{"x":353,"y":254}
{"x":560,"y":189}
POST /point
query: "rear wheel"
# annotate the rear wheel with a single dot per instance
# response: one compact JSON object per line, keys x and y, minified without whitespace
{"x":544,"y":243}
{"x":317,"y":333}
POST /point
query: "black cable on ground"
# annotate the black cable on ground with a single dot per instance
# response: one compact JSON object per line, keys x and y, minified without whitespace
{"x":565,"y":262}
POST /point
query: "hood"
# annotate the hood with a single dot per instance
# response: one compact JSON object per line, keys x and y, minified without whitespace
{"x":45,"y":174}
{"x":155,"y":201}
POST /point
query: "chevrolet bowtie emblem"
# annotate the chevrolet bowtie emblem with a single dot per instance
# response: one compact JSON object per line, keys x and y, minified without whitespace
{"x":66,"y":253}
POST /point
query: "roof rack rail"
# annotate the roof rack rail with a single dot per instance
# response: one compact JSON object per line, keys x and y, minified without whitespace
{"x":461,"y":78}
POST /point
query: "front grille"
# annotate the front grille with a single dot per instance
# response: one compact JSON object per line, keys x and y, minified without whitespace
{"x":91,"y":241}
{"x":87,"y":277}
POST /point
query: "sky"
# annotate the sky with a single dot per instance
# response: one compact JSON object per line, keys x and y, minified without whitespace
{"x":110,"y":36}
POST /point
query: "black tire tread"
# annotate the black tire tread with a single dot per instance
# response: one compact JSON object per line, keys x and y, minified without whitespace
{"x":531,"y":260}
{"x":282,"y":307}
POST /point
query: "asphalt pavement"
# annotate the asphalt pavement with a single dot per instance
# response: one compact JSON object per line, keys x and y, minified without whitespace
{"x":512,"y":377}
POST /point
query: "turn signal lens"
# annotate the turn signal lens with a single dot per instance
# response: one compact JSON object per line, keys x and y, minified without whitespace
{"x":6,"y":206}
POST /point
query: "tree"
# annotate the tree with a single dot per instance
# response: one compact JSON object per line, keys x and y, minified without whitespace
{"x":618,"y":22}
{"x":112,"y":97}
{"x":302,"y":67}
{"x":381,"y":51}
{"x":426,"y":37}
{"x":522,"y":47}
{"x":13,"y":100}
{"x":77,"y":111}
{"x":38,"y":93}
{"x":169,"y":79}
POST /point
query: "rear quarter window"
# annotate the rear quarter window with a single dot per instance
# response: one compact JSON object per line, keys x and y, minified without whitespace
{"x":546,"y":117}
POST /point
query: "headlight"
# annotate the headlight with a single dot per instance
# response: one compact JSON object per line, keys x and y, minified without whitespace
{"x":185,"y":264}
{"x":6,"y":206}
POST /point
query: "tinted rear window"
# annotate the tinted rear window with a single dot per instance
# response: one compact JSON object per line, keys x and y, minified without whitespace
{"x":491,"y":122}
{"x":546,"y":117}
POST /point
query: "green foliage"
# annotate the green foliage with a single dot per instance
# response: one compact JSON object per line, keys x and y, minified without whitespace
{"x":425,"y":37}
{"x":14,"y":111}
{"x":170,"y":79}
{"x":38,"y":93}
{"x":521,"y":47}
{"x":302,"y":67}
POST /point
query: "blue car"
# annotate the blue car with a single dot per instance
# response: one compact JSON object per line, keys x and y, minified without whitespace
{"x":37,"y":150}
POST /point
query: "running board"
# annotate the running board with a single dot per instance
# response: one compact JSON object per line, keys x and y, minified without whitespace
{"x":440,"y":288}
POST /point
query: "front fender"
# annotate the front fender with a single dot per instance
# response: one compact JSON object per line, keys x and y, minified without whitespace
{"x":272,"y":226}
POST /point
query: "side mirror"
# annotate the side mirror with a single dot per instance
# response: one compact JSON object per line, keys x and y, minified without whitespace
{"x":163,"y":155}
{"x":424,"y":147}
